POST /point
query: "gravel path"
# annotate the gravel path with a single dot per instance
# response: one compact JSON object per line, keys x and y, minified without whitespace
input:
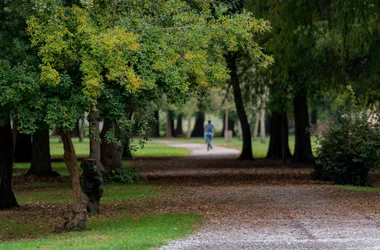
{"x":250,"y":215}
{"x":281,"y":217}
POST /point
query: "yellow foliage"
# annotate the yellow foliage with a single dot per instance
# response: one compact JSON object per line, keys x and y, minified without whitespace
{"x":49,"y":75}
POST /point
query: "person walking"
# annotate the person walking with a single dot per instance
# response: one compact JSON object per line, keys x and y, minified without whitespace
{"x":209,"y":130}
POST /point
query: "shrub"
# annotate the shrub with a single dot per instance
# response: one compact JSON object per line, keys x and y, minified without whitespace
{"x":123,"y":175}
{"x":351,"y":146}
{"x":349,"y":150}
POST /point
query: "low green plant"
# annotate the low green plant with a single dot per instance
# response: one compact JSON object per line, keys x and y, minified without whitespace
{"x":123,"y":175}
{"x":350,"y":148}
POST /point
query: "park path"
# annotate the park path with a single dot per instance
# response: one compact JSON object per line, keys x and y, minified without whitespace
{"x":249,"y":214}
{"x":200,"y":151}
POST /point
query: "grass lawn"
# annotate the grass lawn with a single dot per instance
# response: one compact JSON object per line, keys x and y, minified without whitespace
{"x":60,"y":192}
{"x":150,"y":149}
{"x":118,"y":232}
{"x":259,"y":149}
{"x":116,"y":227}
{"x":359,"y":188}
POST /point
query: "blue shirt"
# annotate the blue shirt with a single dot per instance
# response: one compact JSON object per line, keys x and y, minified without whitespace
{"x":209,"y":128}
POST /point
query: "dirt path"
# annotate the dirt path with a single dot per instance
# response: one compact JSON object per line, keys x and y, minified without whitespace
{"x":279,"y":217}
{"x":200,"y":150}
{"x":260,"y":205}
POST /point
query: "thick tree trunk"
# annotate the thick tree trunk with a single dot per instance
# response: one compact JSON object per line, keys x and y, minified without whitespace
{"x":92,"y":184}
{"x":246,"y":153}
{"x":198,"y":130}
{"x":75,"y":219}
{"x":170,"y":125}
{"x":41,"y":161}
{"x":302,"y":148}
{"x":268,"y":121}
{"x":94,"y":135}
{"x":111,"y":154}
{"x":279,"y":140}
{"x":231,"y":126}
{"x":23,"y":148}
{"x":178,"y":129}
{"x":155,"y":133}
{"x":7,"y":198}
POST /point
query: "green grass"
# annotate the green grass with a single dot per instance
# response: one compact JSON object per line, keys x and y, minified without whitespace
{"x":120,"y":232}
{"x":359,"y":188}
{"x":150,"y":149}
{"x":258,"y":149}
{"x":61,"y":192}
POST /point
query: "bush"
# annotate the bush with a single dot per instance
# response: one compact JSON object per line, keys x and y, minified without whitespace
{"x":349,"y":150}
{"x":123,"y":175}
{"x":351,"y":146}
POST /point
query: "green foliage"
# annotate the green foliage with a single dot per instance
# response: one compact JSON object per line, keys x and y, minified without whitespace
{"x":351,"y":147}
{"x":123,"y":175}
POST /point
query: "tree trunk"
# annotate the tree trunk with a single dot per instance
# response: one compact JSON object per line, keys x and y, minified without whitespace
{"x":155,"y":133}
{"x":256,"y":128}
{"x":23,"y":148}
{"x":92,"y":184}
{"x":198,"y":130}
{"x":178,"y":129}
{"x":7,"y":198}
{"x":111,"y":154}
{"x":41,"y":161}
{"x":314,"y":117}
{"x":302,"y":148}
{"x":170,"y":125}
{"x":262,"y":125}
{"x":127,"y":154}
{"x":94,"y":135}
{"x":279,"y":139}
{"x":246,"y":153}
{"x":75,"y":219}
{"x":268,"y":124}
{"x":231,"y":126}
{"x":81,"y":128}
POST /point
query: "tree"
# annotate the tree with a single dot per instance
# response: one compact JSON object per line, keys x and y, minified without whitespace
{"x":7,"y":198}
{"x":198,"y":126}
{"x":41,"y":160}
{"x":163,"y":46}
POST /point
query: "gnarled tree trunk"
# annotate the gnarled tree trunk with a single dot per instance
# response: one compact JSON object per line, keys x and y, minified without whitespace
{"x":41,"y":161}
{"x":302,"y":147}
{"x":246,"y":153}
{"x":93,"y":117}
{"x":7,"y":198}
{"x":111,"y":154}
{"x":75,"y":219}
